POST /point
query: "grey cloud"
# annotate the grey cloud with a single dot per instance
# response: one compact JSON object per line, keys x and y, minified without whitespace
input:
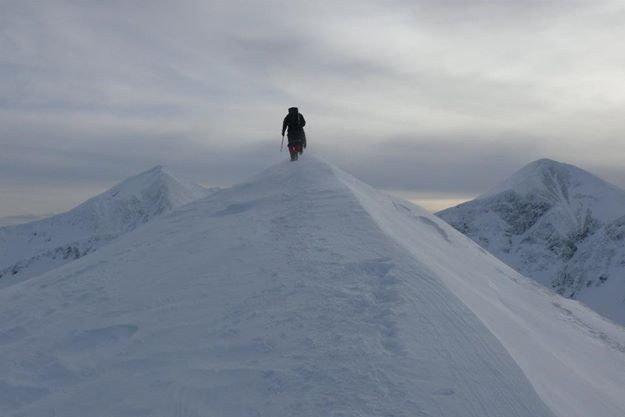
{"x":502,"y":12}
{"x":91,"y":91}
{"x":438,"y":165}
{"x":68,"y":158}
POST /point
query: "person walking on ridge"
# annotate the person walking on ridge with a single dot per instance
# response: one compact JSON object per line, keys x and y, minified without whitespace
{"x":295,"y":123}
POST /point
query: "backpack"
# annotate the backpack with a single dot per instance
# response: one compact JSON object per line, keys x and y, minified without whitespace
{"x":294,"y":120}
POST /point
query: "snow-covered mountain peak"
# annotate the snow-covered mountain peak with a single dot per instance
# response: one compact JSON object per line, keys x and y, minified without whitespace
{"x":554,"y":182}
{"x":157,"y":184}
{"x":573,"y":200}
{"x":157,"y":167}
{"x":32,"y":248}
{"x":541,"y":220}
{"x":134,"y":201}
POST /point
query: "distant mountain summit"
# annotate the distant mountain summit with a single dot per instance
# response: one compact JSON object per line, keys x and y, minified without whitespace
{"x":541,"y":221}
{"x":133,"y":202}
{"x":32,"y":248}
{"x":564,"y":185}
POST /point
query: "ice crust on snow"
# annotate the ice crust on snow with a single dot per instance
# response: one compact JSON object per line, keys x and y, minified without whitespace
{"x":301,"y":292}
{"x":27,"y":250}
{"x":555,"y":223}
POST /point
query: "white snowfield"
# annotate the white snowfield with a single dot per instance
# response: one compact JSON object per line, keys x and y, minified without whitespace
{"x":30,"y":249}
{"x":302,"y":292}
{"x":559,"y":225}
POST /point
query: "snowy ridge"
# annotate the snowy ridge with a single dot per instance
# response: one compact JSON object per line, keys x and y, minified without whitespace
{"x":551,"y":222}
{"x":301,"y":292}
{"x":29,"y":249}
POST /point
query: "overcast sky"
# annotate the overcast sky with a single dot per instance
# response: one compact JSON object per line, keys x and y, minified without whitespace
{"x":437,"y":100}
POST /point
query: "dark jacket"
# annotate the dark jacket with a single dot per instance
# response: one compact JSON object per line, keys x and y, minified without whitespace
{"x":294,"y":122}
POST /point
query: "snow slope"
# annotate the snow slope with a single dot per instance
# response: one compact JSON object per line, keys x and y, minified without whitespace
{"x":30,"y":249}
{"x":302,"y":292}
{"x":552,"y":222}
{"x":595,"y":275}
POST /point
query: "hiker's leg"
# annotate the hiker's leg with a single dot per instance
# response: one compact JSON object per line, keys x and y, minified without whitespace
{"x":293,"y":152}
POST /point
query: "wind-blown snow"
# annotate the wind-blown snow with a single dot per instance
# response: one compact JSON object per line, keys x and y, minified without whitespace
{"x":302,"y":292}
{"x":30,"y":249}
{"x":555,"y":223}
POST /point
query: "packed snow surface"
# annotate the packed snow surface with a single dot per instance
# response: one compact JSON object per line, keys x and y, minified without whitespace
{"x":302,"y":292}
{"x":27,"y":250}
{"x":558,"y":224}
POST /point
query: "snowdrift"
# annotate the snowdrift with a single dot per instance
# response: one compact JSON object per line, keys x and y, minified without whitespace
{"x":302,"y":292}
